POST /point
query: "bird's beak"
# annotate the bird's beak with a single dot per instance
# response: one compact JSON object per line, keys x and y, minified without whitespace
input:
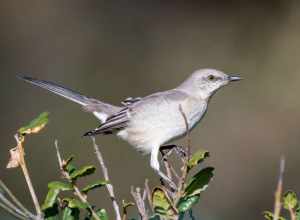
{"x":232,"y":78}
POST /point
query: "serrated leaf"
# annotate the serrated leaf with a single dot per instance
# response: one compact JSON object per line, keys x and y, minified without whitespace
{"x":197,"y":158}
{"x":270,"y":216}
{"x":102,"y":214}
{"x":84,"y":171}
{"x":162,"y":204}
{"x":199,"y":181}
{"x":60,"y":186}
{"x":75,"y":203}
{"x":50,"y":198}
{"x":290,"y":200}
{"x":187,"y":202}
{"x":70,"y":214}
{"x":97,"y":184}
{"x":35,"y":125}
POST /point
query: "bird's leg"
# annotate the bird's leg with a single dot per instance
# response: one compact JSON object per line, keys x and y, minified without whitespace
{"x":155,"y":165}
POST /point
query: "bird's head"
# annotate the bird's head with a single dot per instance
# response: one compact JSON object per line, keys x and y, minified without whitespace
{"x":205,"y":82}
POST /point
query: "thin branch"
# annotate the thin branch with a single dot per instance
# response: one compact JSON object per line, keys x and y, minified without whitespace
{"x":278,"y":192}
{"x":292,"y":214}
{"x":27,"y":177}
{"x":188,"y":138}
{"x":75,"y":188}
{"x":108,"y":186}
{"x":8,"y":204}
{"x":12,"y":212}
{"x":15,"y":200}
{"x":139,"y":202}
{"x":148,"y":191}
{"x":184,"y":169}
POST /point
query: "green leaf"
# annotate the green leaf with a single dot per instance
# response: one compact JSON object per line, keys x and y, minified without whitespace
{"x":70,"y":214}
{"x":84,"y":171}
{"x":187,"y":202}
{"x":162,"y":204}
{"x":154,"y":217}
{"x":35,"y":125}
{"x":290,"y":200}
{"x":102,"y":214}
{"x":270,"y":216}
{"x":70,"y":168}
{"x":75,"y":203}
{"x":97,"y":184}
{"x":60,"y":186}
{"x":199,"y":181}
{"x":50,"y":198}
{"x":298,"y":213}
{"x":52,"y":213}
{"x":197,"y":158}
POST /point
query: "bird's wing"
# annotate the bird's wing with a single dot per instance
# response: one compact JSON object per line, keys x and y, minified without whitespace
{"x":113,"y":123}
{"x":130,"y":100}
{"x":119,"y":120}
{"x":102,"y":110}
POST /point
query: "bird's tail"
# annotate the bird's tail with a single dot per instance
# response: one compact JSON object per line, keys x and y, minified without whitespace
{"x":57,"y":89}
{"x":100,"y":109}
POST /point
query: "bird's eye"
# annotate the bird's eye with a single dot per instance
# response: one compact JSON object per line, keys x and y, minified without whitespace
{"x":211,"y":77}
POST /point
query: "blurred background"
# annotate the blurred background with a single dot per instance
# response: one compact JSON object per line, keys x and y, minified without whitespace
{"x":114,"y":49}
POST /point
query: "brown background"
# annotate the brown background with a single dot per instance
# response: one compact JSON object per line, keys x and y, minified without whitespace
{"x":114,"y":49}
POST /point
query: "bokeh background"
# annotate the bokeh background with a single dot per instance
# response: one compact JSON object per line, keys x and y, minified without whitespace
{"x":114,"y":49}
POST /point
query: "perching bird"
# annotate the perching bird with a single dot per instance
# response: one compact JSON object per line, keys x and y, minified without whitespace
{"x":152,"y":121}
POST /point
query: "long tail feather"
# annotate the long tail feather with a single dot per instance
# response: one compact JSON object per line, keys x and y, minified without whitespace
{"x":57,"y":89}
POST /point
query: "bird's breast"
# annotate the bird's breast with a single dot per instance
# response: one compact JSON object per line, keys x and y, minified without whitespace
{"x":157,"y":125}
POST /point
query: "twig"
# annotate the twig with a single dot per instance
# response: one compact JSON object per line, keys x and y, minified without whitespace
{"x":139,"y":202}
{"x":292,"y":214}
{"x":75,"y":188}
{"x":108,"y":186}
{"x":27,"y":177}
{"x":13,"y":213}
{"x":278,"y":192}
{"x":186,"y":159}
{"x":11,"y":206}
{"x":15,"y":200}
{"x":148,"y":191}
{"x":188,"y":138}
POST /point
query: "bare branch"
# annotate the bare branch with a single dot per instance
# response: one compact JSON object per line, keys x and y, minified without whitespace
{"x":8,"y":204}
{"x":75,"y":188}
{"x":27,"y":177}
{"x":180,"y":190}
{"x":108,"y":186}
{"x":136,"y":194}
{"x":12,"y":212}
{"x":15,"y":200}
{"x":188,"y":138}
{"x":278,"y":192}
{"x":148,"y":191}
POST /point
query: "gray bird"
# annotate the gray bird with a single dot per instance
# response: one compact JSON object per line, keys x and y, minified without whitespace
{"x":148,"y":123}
